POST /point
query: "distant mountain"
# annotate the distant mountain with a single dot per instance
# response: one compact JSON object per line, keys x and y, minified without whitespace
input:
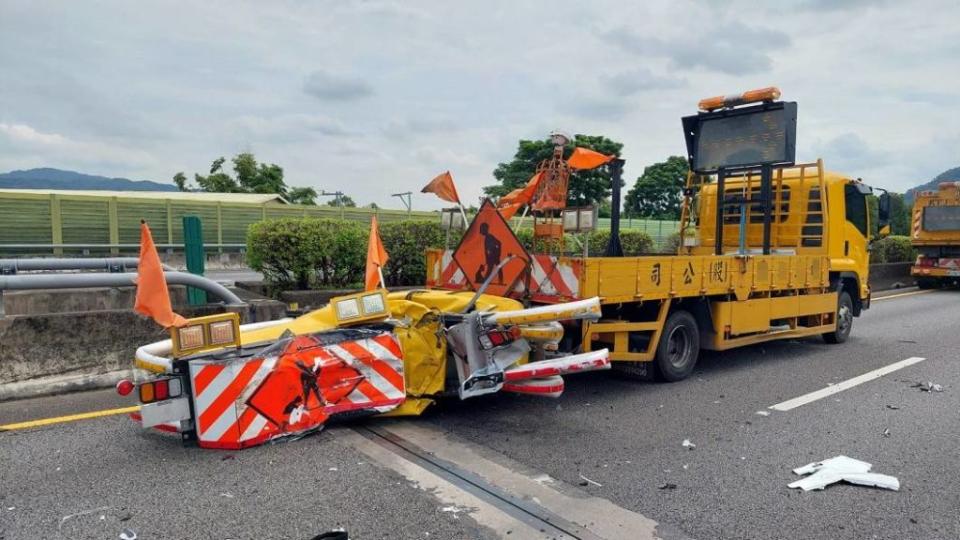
{"x":47,"y":178}
{"x":949,"y":175}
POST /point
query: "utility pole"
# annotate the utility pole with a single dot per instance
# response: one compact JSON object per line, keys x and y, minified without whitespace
{"x":337,"y":198}
{"x":405,"y":198}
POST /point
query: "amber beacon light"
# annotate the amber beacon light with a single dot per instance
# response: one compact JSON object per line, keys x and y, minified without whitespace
{"x":770,"y":93}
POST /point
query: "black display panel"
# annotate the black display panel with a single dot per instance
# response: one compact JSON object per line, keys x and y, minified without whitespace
{"x":741,"y":138}
{"x":941,"y":218}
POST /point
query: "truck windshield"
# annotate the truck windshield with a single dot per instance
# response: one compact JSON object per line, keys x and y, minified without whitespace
{"x":941,"y":218}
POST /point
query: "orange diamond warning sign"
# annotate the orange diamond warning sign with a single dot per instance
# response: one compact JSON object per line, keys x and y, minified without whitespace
{"x":486,"y":243}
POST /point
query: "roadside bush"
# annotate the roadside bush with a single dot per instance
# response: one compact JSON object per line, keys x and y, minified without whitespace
{"x":633,"y":242}
{"x":304,"y":253}
{"x":279,"y":250}
{"x":671,"y":244}
{"x":406,"y":242}
{"x":892,"y":249}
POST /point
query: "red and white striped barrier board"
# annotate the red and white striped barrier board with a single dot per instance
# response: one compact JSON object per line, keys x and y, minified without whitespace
{"x":552,"y":279}
{"x":590,"y":361}
{"x":547,"y":387}
{"x":294,"y":388}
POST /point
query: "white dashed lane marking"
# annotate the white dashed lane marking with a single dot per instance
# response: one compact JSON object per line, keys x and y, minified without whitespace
{"x":841,"y":386}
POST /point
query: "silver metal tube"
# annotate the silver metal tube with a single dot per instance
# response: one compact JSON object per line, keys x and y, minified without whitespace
{"x":67,"y":263}
{"x":74,"y":281}
{"x":94,"y":246}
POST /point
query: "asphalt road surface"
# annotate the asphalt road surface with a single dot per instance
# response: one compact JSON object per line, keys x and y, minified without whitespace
{"x":605,"y":460}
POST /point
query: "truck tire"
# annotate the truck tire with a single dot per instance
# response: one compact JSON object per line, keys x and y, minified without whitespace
{"x":679,"y":347}
{"x":928,"y":283}
{"x":844,"y":320}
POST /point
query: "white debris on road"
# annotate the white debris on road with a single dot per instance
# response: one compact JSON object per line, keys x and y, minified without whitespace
{"x":687,"y":444}
{"x":763,"y":413}
{"x":841,"y":468}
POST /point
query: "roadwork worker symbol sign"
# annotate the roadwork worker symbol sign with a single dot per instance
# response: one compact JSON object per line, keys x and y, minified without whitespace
{"x":487,"y":242}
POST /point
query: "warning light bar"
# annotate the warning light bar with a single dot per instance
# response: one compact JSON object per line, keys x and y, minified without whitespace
{"x":206,"y":333}
{"x":771,"y":93}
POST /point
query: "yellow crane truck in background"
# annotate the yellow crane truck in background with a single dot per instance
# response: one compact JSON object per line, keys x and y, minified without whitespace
{"x":770,"y":249}
{"x":936,"y":235}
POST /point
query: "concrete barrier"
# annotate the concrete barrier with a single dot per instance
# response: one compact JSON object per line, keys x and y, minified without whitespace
{"x":51,"y":353}
{"x":890,"y":276}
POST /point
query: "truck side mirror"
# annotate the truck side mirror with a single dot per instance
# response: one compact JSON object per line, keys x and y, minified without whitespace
{"x":883,"y":214}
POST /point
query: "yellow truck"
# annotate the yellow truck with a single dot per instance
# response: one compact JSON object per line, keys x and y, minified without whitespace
{"x":770,"y":249}
{"x":935,"y":235}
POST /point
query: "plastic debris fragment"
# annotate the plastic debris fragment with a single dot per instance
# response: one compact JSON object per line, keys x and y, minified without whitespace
{"x":841,"y":468}
{"x":687,"y":444}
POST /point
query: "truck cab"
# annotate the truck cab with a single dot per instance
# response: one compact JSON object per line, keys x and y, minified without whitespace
{"x":801,"y":224}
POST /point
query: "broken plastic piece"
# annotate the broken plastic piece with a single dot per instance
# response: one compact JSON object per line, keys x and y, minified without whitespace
{"x":687,"y":444}
{"x":841,"y":468}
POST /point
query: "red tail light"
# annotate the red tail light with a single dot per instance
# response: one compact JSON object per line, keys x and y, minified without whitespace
{"x":124,"y":387}
{"x":927,"y":261}
{"x":499,"y":337}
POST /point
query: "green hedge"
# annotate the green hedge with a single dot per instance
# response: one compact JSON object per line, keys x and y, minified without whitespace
{"x":305,"y":253}
{"x":892,"y":249}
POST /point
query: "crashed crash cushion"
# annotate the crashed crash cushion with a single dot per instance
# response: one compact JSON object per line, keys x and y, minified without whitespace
{"x":295,"y":385}
{"x":425,"y":354}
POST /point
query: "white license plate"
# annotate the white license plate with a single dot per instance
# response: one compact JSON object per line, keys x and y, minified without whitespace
{"x":163,"y":412}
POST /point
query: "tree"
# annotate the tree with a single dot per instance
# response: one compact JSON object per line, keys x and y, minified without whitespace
{"x":901,"y":214}
{"x":658,"y":193}
{"x":302,"y":195}
{"x":249,"y":177}
{"x":180,"y":180}
{"x":586,"y":187}
{"x":342,"y":200}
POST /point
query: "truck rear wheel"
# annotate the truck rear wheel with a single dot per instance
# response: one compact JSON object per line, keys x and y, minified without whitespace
{"x":679,"y":347}
{"x":928,"y":283}
{"x":844,"y":321}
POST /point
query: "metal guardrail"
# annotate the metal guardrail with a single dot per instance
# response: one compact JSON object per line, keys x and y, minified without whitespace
{"x":128,"y":279}
{"x":113,"y":264}
{"x":108,"y":246}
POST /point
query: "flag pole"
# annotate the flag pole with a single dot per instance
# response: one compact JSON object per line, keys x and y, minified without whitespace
{"x":464,"y":214}
{"x":523,"y":216}
{"x":383,"y":282}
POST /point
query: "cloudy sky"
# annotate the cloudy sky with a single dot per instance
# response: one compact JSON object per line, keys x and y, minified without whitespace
{"x":376,"y":97}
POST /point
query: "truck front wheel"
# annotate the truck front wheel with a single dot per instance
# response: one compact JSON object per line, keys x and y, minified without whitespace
{"x":679,"y":347}
{"x":844,"y":320}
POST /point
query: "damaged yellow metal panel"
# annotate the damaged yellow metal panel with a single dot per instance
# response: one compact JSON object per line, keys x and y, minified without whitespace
{"x":424,"y":355}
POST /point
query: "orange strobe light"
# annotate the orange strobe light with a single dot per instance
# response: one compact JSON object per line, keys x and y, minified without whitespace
{"x":770,"y":93}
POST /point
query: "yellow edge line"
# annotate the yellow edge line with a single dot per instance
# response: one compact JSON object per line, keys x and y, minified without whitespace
{"x":901,"y":295}
{"x":69,"y":418}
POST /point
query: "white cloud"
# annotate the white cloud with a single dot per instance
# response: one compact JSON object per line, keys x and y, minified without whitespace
{"x":376,"y":97}
{"x":31,"y":144}
{"x":325,"y":85}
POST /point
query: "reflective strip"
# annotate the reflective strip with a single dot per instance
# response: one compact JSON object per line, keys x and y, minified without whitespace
{"x":373,"y":377}
{"x":254,"y":429}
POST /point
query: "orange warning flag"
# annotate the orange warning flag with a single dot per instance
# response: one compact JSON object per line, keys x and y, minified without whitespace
{"x":376,"y":257}
{"x":442,"y":186}
{"x":584,"y":158}
{"x":153,"y":298}
{"x":509,"y":204}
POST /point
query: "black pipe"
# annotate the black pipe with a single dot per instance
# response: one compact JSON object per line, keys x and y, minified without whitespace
{"x":766,"y":194}
{"x":718,"y":235}
{"x":614,"y":248}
